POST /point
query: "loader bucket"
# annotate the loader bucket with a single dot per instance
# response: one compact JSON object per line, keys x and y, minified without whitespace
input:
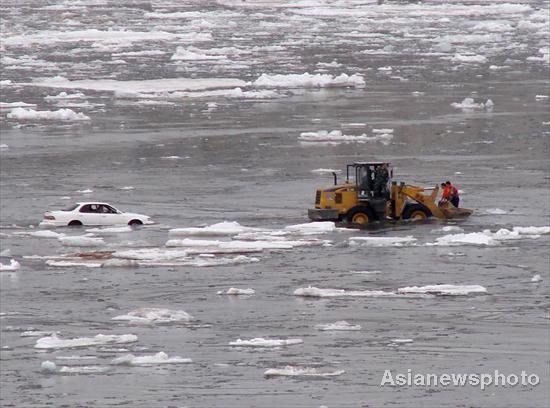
{"x":450,"y":211}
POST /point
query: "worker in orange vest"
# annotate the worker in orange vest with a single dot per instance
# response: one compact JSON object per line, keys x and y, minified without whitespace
{"x":451,"y":193}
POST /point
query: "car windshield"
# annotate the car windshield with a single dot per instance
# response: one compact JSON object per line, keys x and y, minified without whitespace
{"x":70,"y":208}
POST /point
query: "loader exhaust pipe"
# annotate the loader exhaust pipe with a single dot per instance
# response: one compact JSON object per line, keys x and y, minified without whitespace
{"x":335,"y":178}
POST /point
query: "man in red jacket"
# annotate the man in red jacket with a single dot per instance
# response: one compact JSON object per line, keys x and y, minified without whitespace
{"x":452,"y":194}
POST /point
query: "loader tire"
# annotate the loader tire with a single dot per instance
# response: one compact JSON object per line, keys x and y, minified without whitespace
{"x":360,"y":215}
{"x":416,"y":212}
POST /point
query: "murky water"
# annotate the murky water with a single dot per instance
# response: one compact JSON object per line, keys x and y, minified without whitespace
{"x":239,"y":160}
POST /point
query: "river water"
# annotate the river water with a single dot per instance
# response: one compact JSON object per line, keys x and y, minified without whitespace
{"x":193,"y":113}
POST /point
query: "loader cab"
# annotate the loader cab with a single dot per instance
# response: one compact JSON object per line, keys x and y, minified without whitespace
{"x":363,"y":174}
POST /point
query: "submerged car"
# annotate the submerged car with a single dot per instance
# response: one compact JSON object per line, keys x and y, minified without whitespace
{"x":92,"y":213}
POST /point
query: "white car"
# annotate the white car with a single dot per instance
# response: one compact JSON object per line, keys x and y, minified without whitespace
{"x":92,"y":213}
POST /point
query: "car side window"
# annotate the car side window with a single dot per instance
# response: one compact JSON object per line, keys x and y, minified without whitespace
{"x":110,"y":209}
{"x":86,"y":209}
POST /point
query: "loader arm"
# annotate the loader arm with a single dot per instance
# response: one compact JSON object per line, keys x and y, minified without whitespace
{"x":399,"y":194}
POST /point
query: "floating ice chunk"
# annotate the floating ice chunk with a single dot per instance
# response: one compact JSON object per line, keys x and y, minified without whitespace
{"x":187,"y":242}
{"x":341,"y":325}
{"x":5,"y":252}
{"x":292,"y":371}
{"x":451,"y":290}
{"x":336,"y":136}
{"x":221,"y":229}
{"x":150,"y":315}
{"x":13,"y":266}
{"x":307,"y":80}
{"x":473,"y":238}
{"x":237,"y":291}
{"x":83,"y":369}
{"x":85,"y":191}
{"x":536,"y":278}
{"x":261,"y":342}
{"x":159,"y":358}
{"x":532,"y":230}
{"x":492,"y":238}
{"x":54,"y":342}
{"x":171,"y":157}
{"x":12,"y":105}
{"x":496,"y":211}
{"x":382,"y":131}
{"x":5,"y":82}
{"x":256,"y":246}
{"x":75,"y":357}
{"x":311,"y":291}
{"x":120,"y":263}
{"x":312,"y":228}
{"x":402,"y":341}
{"x":541,"y":97}
{"x":70,"y":264}
{"x":449,"y":228}
{"x":81,"y":241}
{"x":383,"y":241}
{"x":60,"y":114}
{"x":469,"y":58}
{"x":37,"y":333}
{"x":64,"y":95}
{"x":48,"y":366}
{"x":4,"y":147}
{"x":46,"y":234}
{"x":468,"y":104}
{"x":126,"y":188}
{"x":194,"y":54}
{"x":110,"y":230}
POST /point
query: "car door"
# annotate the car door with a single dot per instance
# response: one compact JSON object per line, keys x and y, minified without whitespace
{"x":110,"y":215}
{"x":89,"y":215}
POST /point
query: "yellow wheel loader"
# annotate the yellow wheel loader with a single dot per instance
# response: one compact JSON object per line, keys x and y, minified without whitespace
{"x":368,"y":194}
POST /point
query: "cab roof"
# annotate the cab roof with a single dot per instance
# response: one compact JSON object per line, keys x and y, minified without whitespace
{"x":369,"y":163}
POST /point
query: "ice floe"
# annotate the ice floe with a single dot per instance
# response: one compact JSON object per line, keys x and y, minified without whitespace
{"x":341,"y":325}
{"x":81,"y":241}
{"x":55,"y":342}
{"x":224,"y":228}
{"x":336,"y":136}
{"x":401,"y":341}
{"x":293,"y":371}
{"x":60,"y":114}
{"x":110,"y":230}
{"x":314,"y":292}
{"x":449,"y":228}
{"x":496,"y":211}
{"x":50,"y":367}
{"x":383,"y":241}
{"x":451,"y":290}
{"x":46,"y":234}
{"x":120,"y":263}
{"x":237,"y":291}
{"x":266,"y":343}
{"x":70,"y":264}
{"x":12,"y":266}
{"x":469,"y":104}
{"x":151,"y":315}
{"x":536,"y":278}
{"x":488,"y":238}
{"x":312,"y":228}
{"x":307,"y":80}
{"x":154,"y":359}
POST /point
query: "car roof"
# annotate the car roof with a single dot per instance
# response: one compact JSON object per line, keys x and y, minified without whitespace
{"x":93,"y":202}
